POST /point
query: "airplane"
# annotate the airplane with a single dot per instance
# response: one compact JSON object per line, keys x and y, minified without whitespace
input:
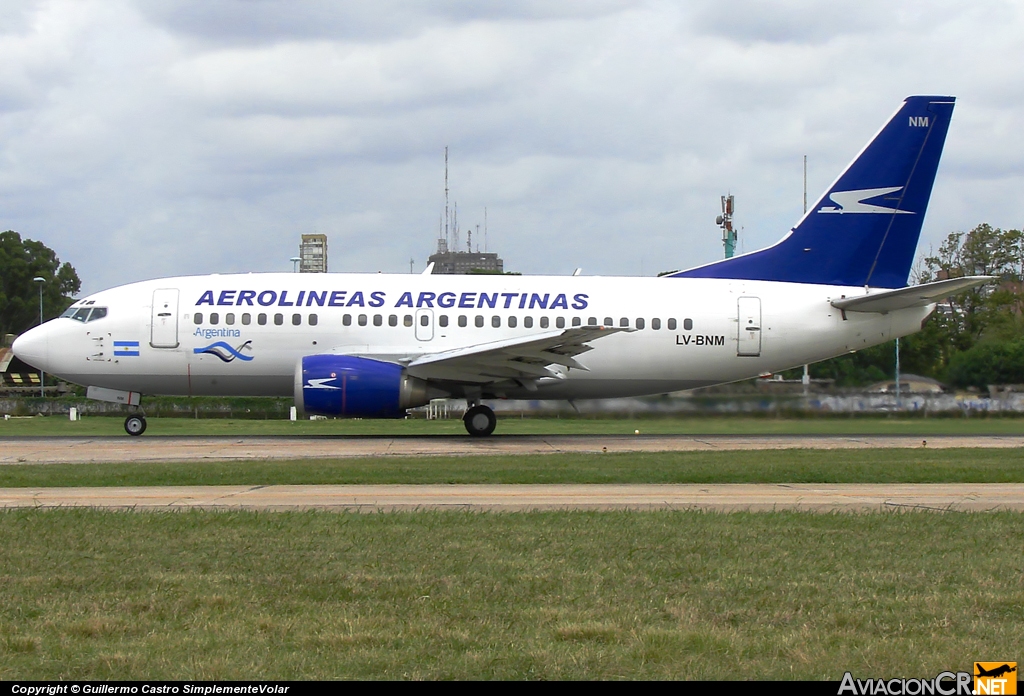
{"x":996,"y":672}
{"x":376,"y":345}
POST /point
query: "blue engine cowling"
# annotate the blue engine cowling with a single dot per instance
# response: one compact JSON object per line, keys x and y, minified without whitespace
{"x":344,"y":385}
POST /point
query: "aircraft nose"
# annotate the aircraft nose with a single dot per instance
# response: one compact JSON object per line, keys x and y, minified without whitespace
{"x":33,"y":347}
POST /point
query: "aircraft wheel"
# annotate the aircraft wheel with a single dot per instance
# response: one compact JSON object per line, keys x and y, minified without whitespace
{"x":135,"y":425}
{"x":480,"y":421}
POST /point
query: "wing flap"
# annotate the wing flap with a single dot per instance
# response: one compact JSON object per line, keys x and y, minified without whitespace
{"x":526,"y":358}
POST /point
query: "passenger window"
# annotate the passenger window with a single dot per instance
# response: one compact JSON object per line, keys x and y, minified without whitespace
{"x":527,"y":322}
{"x":608,"y":321}
{"x":671,"y":324}
{"x":378,"y":320}
{"x":198,"y":317}
{"x":512,"y":322}
{"x":407,"y":320}
{"x":229,"y":319}
{"x":98,"y":313}
{"x":479,"y":321}
{"x":496,"y":321}
{"x":559,"y":323}
{"x":313,"y":319}
{"x":544,"y":322}
{"x":393,"y":320}
{"x":296,"y":320}
{"x":655,"y":324}
{"x":624,"y":322}
{"x":278,"y":319}
{"x":592,"y":321}
{"x":576,"y":321}
{"x":442,"y":320}
{"x":463,"y":322}
{"x":261,"y":320}
{"x":362,"y":320}
{"x":688,"y":324}
{"x":214,"y":318}
{"x":346,"y":320}
{"x":640,"y":323}
{"x":246,"y":319}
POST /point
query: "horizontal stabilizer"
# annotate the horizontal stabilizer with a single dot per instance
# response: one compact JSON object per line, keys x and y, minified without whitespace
{"x":913,"y":296}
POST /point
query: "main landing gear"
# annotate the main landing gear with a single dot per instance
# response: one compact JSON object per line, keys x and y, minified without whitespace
{"x":480,"y":420}
{"x":135,"y":424}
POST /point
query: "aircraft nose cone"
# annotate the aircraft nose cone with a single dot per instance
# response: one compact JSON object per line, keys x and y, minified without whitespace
{"x":33,"y":347}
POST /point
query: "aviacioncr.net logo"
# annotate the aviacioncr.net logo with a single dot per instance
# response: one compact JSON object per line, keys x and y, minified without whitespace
{"x":945,"y":684}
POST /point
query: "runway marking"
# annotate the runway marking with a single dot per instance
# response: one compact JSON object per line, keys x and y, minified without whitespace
{"x":936,"y":497}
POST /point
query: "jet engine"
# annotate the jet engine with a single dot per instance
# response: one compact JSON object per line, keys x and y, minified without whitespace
{"x":349,"y":386}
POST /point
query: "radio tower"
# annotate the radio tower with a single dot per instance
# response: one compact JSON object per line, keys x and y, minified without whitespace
{"x":725,"y":222}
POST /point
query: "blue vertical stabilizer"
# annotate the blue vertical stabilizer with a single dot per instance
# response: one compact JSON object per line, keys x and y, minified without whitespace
{"x":864,"y":230}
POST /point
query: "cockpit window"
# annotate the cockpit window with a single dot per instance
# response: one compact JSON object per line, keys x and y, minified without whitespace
{"x":85,"y":314}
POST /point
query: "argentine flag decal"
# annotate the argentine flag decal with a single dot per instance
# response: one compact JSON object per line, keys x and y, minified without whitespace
{"x":126,"y":349}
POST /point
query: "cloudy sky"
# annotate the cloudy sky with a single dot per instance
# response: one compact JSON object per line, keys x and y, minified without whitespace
{"x":165,"y":137}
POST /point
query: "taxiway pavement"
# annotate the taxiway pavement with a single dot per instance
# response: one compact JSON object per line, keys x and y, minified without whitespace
{"x":46,"y":450}
{"x":389,"y":498}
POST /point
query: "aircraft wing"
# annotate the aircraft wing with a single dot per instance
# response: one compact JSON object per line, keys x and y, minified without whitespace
{"x":548,"y":354}
{"x":904,"y":298}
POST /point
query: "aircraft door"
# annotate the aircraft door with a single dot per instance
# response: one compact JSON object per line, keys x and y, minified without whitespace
{"x":424,"y":324}
{"x":164,"y":331}
{"x":749,"y":338}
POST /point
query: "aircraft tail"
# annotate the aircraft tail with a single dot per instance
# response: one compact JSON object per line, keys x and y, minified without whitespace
{"x":864,"y":229}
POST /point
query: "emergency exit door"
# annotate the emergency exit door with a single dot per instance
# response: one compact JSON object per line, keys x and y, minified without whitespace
{"x":164,"y":331}
{"x":424,"y":324}
{"x":749,"y":343}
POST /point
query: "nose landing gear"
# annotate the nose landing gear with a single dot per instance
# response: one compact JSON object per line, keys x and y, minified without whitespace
{"x":135,"y":424}
{"x":480,"y":421}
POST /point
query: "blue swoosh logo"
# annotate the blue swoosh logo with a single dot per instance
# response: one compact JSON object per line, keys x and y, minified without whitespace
{"x":225,"y":352}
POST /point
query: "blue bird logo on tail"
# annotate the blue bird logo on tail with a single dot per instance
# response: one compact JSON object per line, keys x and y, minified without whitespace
{"x":225,"y":352}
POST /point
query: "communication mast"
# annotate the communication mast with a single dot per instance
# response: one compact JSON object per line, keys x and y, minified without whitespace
{"x":725,"y":222}
{"x":450,"y":257}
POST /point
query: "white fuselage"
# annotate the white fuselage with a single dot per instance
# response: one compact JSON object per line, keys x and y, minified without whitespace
{"x":691,"y":332}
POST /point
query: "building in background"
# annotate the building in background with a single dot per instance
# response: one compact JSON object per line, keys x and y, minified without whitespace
{"x":313,"y":253}
{"x":465,"y":262}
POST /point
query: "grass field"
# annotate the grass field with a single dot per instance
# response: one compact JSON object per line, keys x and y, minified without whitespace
{"x":765,"y":466}
{"x":87,"y":594}
{"x":512,"y":425}
{"x":569,"y":595}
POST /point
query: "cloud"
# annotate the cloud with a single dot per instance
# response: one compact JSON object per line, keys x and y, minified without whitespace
{"x":194,"y":137}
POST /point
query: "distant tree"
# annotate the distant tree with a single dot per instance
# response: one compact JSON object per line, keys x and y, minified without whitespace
{"x":992,"y":311}
{"x":988,"y":363}
{"x":21,"y":260}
